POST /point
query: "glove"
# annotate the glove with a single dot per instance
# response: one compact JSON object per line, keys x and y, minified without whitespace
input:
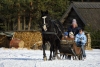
{"x":79,"y":42}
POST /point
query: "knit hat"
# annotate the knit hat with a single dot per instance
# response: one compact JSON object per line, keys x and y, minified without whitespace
{"x":74,"y":21}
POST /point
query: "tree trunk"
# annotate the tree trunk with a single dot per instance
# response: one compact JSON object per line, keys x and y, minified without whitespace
{"x":5,"y":26}
{"x":82,"y":0}
{"x":24,"y":23}
{"x":18,"y":21}
{"x":9,"y":24}
{"x":19,"y":16}
{"x":13,"y":26}
{"x":30,"y":19}
{"x":29,"y":25}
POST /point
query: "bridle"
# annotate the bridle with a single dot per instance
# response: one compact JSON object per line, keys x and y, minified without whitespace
{"x":44,"y":25}
{"x":45,"y":28}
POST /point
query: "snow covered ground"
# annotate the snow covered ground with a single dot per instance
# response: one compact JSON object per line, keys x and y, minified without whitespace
{"x":34,"y":58}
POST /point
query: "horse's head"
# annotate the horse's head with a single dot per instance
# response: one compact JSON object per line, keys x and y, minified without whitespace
{"x":45,"y":23}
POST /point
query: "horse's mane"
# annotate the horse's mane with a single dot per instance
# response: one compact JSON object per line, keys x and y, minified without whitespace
{"x":59,"y":25}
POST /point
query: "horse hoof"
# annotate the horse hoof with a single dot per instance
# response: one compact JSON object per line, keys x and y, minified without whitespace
{"x":53,"y":58}
{"x":49,"y":59}
{"x":45,"y":58}
{"x":58,"y":58}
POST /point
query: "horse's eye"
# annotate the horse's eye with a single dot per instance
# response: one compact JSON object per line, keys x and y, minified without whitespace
{"x":47,"y":25}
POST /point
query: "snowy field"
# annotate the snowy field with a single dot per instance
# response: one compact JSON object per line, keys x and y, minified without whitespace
{"x":34,"y":58}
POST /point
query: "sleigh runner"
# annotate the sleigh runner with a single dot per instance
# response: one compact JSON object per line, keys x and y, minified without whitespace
{"x":68,"y":48}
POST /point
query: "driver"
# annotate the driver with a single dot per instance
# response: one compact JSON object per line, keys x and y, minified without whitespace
{"x":72,"y":30}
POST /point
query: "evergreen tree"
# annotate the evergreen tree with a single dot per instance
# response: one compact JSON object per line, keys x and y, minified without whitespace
{"x":25,"y":14}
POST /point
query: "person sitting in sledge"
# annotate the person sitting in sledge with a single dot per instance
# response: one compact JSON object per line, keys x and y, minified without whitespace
{"x":80,"y":40}
{"x":72,"y":30}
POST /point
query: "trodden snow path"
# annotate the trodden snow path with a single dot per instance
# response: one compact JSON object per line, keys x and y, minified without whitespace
{"x":34,"y":58}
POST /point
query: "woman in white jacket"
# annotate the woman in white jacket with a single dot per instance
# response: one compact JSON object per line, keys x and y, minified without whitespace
{"x":81,"y":40}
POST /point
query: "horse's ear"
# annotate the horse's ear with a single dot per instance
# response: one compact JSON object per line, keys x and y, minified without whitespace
{"x":46,"y":11}
{"x":41,"y":11}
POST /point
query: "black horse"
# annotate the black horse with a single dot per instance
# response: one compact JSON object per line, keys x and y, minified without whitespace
{"x":51,"y":32}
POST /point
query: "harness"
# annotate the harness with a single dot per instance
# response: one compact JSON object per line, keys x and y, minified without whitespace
{"x":54,"y":33}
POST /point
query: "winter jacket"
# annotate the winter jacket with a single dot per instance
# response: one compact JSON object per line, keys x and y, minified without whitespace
{"x":81,"y":38}
{"x":74,"y":30}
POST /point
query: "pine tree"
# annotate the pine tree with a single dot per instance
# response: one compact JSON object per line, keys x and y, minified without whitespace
{"x":22,"y":14}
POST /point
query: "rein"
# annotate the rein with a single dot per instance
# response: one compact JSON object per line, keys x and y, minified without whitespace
{"x":50,"y":33}
{"x":58,"y":28}
{"x":54,"y":33}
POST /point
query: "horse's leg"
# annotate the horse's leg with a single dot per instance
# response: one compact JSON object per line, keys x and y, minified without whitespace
{"x":69,"y":57}
{"x":57,"y":48}
{"x":81,"y":57}
{"x":65,"y":56}
{"x":73,"y":57}
{"x":61,"y":55}
{"x":50,"y":53}
{"x":44,"y":54}
{"x":74,"y":54}
{"x":54,"y":50}
{"x":54,"y":55}
{"x":58,"y":57}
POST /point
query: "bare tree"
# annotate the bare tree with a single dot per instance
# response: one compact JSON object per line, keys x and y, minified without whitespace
{"x":18,"y":21}
{"x":30,"y":19}
{"x":24,"y":20}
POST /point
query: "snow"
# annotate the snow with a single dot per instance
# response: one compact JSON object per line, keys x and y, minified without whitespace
{"x":34,"y":58}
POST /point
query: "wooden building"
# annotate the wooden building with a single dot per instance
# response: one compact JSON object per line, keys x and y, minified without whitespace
{"x":86,"y":13}
{"x":86,"y":0}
